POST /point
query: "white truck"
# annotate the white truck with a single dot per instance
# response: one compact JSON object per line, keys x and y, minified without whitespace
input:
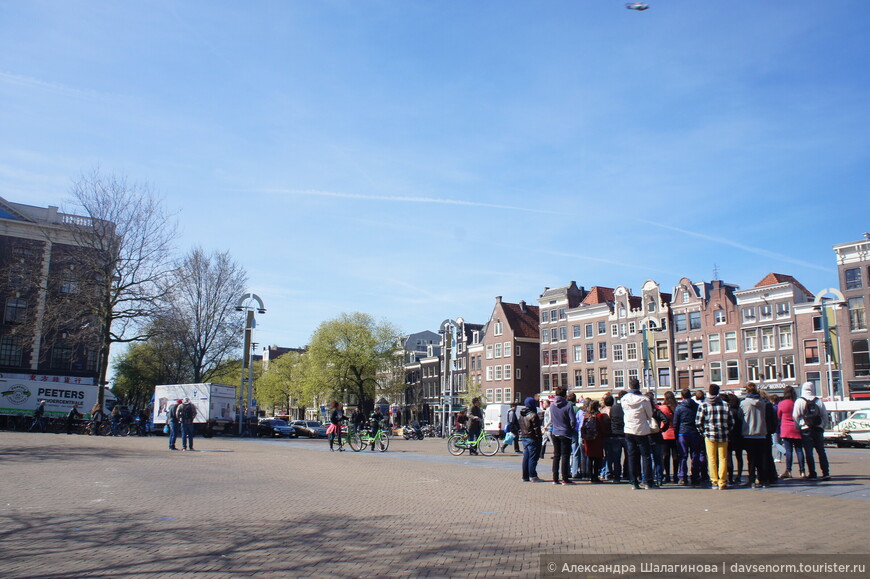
{"x":215,"y":405}
{"x":495,"y":418}
{"x":20,"y":397}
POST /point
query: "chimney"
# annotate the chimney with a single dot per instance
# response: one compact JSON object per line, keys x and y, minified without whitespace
{"x":498,"y":299}
{"x":523,"y":306}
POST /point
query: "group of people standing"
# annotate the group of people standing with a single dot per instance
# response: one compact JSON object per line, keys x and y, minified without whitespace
{"x":695,"y":442}
{"x":180,"y":416}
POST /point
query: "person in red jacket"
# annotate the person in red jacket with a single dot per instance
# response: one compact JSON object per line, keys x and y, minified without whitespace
{"x":789,"y":433}
{"x":594,"y":448}
{"x":670,"y":456}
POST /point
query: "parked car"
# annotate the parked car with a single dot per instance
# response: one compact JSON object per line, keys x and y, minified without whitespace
{"x":309,"y":428}
{"x":275,"y":427}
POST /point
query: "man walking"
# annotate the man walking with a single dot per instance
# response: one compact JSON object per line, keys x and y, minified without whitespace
{"x":39,"y":417}
{"x":186,"y":414}
{"x":715,"y":421}
{"x":530,"y":434}
{"x":173,"y":423}
{"x":811,"y":417}
{"x":564,"y":421}
{"x":637,"y":414}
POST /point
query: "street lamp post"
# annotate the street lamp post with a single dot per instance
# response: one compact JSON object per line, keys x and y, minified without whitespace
{"x":448,"y":334}
{"x":246,"y":304}
{"x":649,"y":325}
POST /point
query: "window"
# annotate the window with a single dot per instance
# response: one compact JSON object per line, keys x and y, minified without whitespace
{"x":517,"y":351}
{"x":617,"y":354}
{"x":732,"y":371}
{"x":632,"y":328}
{"x":713,"y":344}
{"x":817,"y":323}
{"x":788,"y":367}
{"x":665,"y":378}
{"x":565,"y":380}
{"x":68,"y":287}
{"x":783,"y":310}
{"x":589,"y":333}
{"x":554,"y":357}
{"x":811,"y":351}
{"x":697,"y":348}
{"x":785,"y":341}
{"x":861,"y":357}
{"x":562,"y":314}
{"x":632,"y":374}
{"x":602,"y":351}
{"x":816,"y":379}
{"x":578,"y":378}
{"x":16,"y":311}
{"x":554,"y":334}
{"x":518,"y":374}
{"x":752,"y":370}
{"x":602,"y":328}
{"x":748,"y":315}
{"x":11,"y":351}
{"x":498,"y":373}
{"x":546,"y":385}
{"x":590,"y":352}
{"x":766,"y":312}
{"x":545,"y":335}
{"x":489,"y":351}
{"x":857,"y":320}
{"x":563,"y":356}
{"x":750,"y":340}
{"x":554,"y":315}
{"x":578,"y":353}
{"x":719,"y":317}
{"x":651,"y":306}
{"x":618,"y":379}
{"x":622,"y":330}
{"x":662,"y":350}
{"x":631,"y":351}
{"x":682,"y":351}
{"x":683,"y":379}
{"x":694,"y":320}
{"x":507,"y":349}
{"x":498,"y":330}
{"x":563,"y":333}
{"x":546,"y":358}
{"x":853,"y":278}
{"x":508,"y":394}
{"x":614,"y":330}
{"x":680,"y":322}
{"x":716,"y":372}
{"x":730,"y":341}
{"x":61,"y":356}
{"x":498,"y":392}
{"x":590,"y":377}
{"x":621,"y":311}
{"x":489,"y":373}
{"x":498,"y":350}
{"x":545,"y":317}
{"x":489,"y":393}
{"x":576,"y":331}
{"x":770,"y":368}
{"x":507,"y":372}
{"x":767,"y":341}
{"x":684,"y":295}
{"x":602,"y":376}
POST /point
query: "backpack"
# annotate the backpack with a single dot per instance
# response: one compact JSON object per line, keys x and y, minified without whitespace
{"x":589,"y":429}
{"x":187,"y":412}
{"x":812,"y":414}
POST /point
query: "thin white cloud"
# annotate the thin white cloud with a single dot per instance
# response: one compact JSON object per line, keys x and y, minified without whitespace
{"x":35,"y":83}
{"x":737,"y":245}
{"x":404,"y":199}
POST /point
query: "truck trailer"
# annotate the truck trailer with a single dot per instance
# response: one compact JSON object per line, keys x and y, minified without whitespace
{"x":19,"y":398}
{"x":215,"y":405}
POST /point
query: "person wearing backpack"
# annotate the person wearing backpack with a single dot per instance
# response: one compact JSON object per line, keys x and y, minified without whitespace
{"x":810,"y":416}
{"x":595,"y":425}
{"x":186,"y":414}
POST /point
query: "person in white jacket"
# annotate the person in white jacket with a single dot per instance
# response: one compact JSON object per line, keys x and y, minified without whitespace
{"x":812,"y":422}
{"x":638,"y":413}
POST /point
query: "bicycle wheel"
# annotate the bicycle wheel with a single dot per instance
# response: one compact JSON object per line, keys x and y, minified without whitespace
{"x":355,"y":442}
{"x":488,"y":445}
{"x":383,"y":442}
{"x":123,"y":430}
{"x":456,"y":444}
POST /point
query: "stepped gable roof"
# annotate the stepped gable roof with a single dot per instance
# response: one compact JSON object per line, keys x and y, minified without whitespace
{"x":598,"y":295}
{"x":523,"y":319}
{"x":775,"y":278}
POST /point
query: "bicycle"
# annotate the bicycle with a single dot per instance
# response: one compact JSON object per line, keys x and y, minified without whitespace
{"x":485,"y":443}
{"x":360,"y":440}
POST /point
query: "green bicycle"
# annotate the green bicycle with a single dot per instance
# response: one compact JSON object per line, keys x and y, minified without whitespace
{"x":360,"y":440}
{"x":485,"y":443}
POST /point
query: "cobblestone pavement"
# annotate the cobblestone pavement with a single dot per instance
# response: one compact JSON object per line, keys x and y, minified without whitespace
{"x":79,"y":506}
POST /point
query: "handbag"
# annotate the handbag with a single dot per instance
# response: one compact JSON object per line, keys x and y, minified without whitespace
{"x":509,"y":438}
{"x":332,"y":429}
{"x":166,"y":429}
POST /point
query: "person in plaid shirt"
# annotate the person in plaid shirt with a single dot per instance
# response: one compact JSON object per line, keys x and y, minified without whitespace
{"x":715,"y":421}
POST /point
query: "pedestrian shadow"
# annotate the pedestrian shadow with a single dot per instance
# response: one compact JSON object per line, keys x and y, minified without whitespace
{"x":111,"y":544}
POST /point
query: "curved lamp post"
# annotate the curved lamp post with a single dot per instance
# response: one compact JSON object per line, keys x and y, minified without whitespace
{"x":248,"y":303}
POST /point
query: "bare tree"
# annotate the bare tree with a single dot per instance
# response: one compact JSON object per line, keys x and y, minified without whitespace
{"x":125,"y":255}
{"x":199,"y":311}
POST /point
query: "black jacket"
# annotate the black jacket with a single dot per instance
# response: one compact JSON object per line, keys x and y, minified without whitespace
{"x":617,"y":420}
{"x":530,"y":424}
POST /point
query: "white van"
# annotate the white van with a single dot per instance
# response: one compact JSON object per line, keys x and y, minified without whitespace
{"x":495,"y":418}
{"x":854,"y":431}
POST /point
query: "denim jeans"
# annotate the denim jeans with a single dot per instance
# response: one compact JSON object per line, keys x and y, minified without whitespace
{"x":577,"y":455}
{"x":174,"y":427}
{"x":691,"y":446}
{"x":613,"y":448}
{"x":639,"y":463}
{"x":814,"y":439}
{"x":656,"y":446}
{"x":531,"y":450}
{"x":793,"y":445}
{"x":561,"y":457}
{"x":187,"y":436}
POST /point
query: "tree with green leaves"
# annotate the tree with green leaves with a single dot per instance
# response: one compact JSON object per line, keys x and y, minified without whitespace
{"x":345,"y":356}
{"x":283,"y":384}
{"x":144,"y":365}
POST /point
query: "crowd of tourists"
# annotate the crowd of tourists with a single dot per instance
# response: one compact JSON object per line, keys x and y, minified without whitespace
{"x":702,"y":440}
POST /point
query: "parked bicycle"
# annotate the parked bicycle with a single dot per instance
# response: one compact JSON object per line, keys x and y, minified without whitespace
{"x":362,"y":439}
{"x":485,"y":443}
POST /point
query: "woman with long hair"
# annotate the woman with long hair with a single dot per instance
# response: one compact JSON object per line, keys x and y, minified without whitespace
{"x":789,"y":433}
{"x":735,"y":441}
{"x":594,"y":448}
{"x":335,"y":420}
{"x":670,"y":456}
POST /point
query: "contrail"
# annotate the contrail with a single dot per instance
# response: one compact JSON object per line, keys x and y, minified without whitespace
{"x":403,"y":199}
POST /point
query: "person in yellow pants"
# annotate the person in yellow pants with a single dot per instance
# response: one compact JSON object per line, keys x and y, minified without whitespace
{"x":714,"y":420}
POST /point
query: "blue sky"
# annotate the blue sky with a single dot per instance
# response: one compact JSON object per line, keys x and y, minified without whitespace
{"x":414,"y":159}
